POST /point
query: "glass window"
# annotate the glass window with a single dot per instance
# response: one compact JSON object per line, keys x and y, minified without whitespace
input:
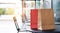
{"x":56,"y":8}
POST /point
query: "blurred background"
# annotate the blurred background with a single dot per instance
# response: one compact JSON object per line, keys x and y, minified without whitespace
{"x":11,"y":8}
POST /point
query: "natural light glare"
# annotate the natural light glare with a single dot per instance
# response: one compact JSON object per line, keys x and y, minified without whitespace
{"x":9,"y":26}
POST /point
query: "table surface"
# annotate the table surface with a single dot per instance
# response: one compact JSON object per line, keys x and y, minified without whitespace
{"x":57,"y":29}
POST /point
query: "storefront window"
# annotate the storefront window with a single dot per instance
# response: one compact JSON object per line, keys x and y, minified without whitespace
{"x":56,"y":8}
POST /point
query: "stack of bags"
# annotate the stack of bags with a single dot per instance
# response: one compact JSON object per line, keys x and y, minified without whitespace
{"x":41,"y":14}
{"x":42,"y":19}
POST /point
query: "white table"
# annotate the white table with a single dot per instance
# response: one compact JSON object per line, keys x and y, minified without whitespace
{"x":7,"y":25}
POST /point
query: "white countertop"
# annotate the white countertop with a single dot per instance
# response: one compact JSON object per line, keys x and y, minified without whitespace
{"x":7,"y":27}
